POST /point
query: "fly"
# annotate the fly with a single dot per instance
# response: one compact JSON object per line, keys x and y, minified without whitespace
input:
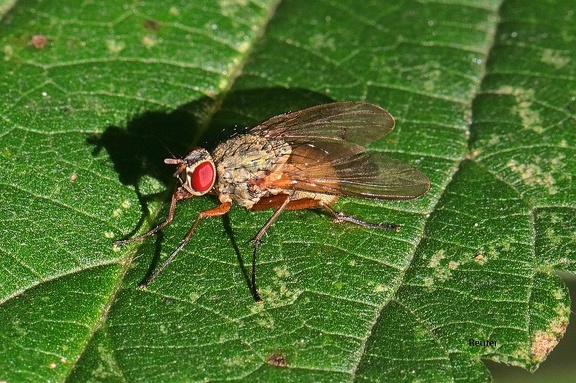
{"x":300,"y":160}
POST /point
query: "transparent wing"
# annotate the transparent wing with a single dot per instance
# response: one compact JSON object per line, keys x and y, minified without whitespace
{"x":328,"y":143}
{"x":351,"y":125}
{"x":365,"y":175}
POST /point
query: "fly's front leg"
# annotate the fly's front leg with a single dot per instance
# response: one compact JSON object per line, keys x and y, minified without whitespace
{"x":215,"y":212}
{"x":177,"y":196}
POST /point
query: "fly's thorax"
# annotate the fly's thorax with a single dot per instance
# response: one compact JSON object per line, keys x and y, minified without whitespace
{"x":243,"y":162}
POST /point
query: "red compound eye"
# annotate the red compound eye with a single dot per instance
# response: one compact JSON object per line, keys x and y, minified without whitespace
{"x":203,"y":177}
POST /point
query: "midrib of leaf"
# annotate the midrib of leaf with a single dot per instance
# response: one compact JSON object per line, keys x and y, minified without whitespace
{"x":221,"y":96}
{"x":203,"y":125}
{"x":5,"y":6}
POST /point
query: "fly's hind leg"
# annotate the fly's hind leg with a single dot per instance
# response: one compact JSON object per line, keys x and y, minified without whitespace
{"x":341,"y":217}
{"x":311,"y":203}
{"x":283,"y":202}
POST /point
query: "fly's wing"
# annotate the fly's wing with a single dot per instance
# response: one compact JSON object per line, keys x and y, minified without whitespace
{"x":350,"y":125}
{"x":328,"y":153}
{"x":364,"y":175}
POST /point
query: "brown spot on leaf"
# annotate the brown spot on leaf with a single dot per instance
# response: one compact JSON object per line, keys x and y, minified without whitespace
{"x":38,"y":41}
{"x":152,"y":25}
{"x":545,"y":341}
{"x":278,"y":360}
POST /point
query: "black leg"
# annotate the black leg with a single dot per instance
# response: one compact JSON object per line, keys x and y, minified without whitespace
{"x":256,"y":243}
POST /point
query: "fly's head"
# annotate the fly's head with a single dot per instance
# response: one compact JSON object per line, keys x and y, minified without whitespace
{"x":196,"y":173}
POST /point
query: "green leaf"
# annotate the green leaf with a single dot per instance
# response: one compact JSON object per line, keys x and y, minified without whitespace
{"x":97,"y":94}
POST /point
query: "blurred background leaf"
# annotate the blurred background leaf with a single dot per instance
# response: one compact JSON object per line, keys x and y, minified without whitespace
{"x":97,"y":94}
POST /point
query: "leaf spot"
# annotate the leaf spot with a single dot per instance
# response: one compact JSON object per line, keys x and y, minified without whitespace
{"x":555,"y":58}
{"x":524,"y":99}
{"x":114,"y":46}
